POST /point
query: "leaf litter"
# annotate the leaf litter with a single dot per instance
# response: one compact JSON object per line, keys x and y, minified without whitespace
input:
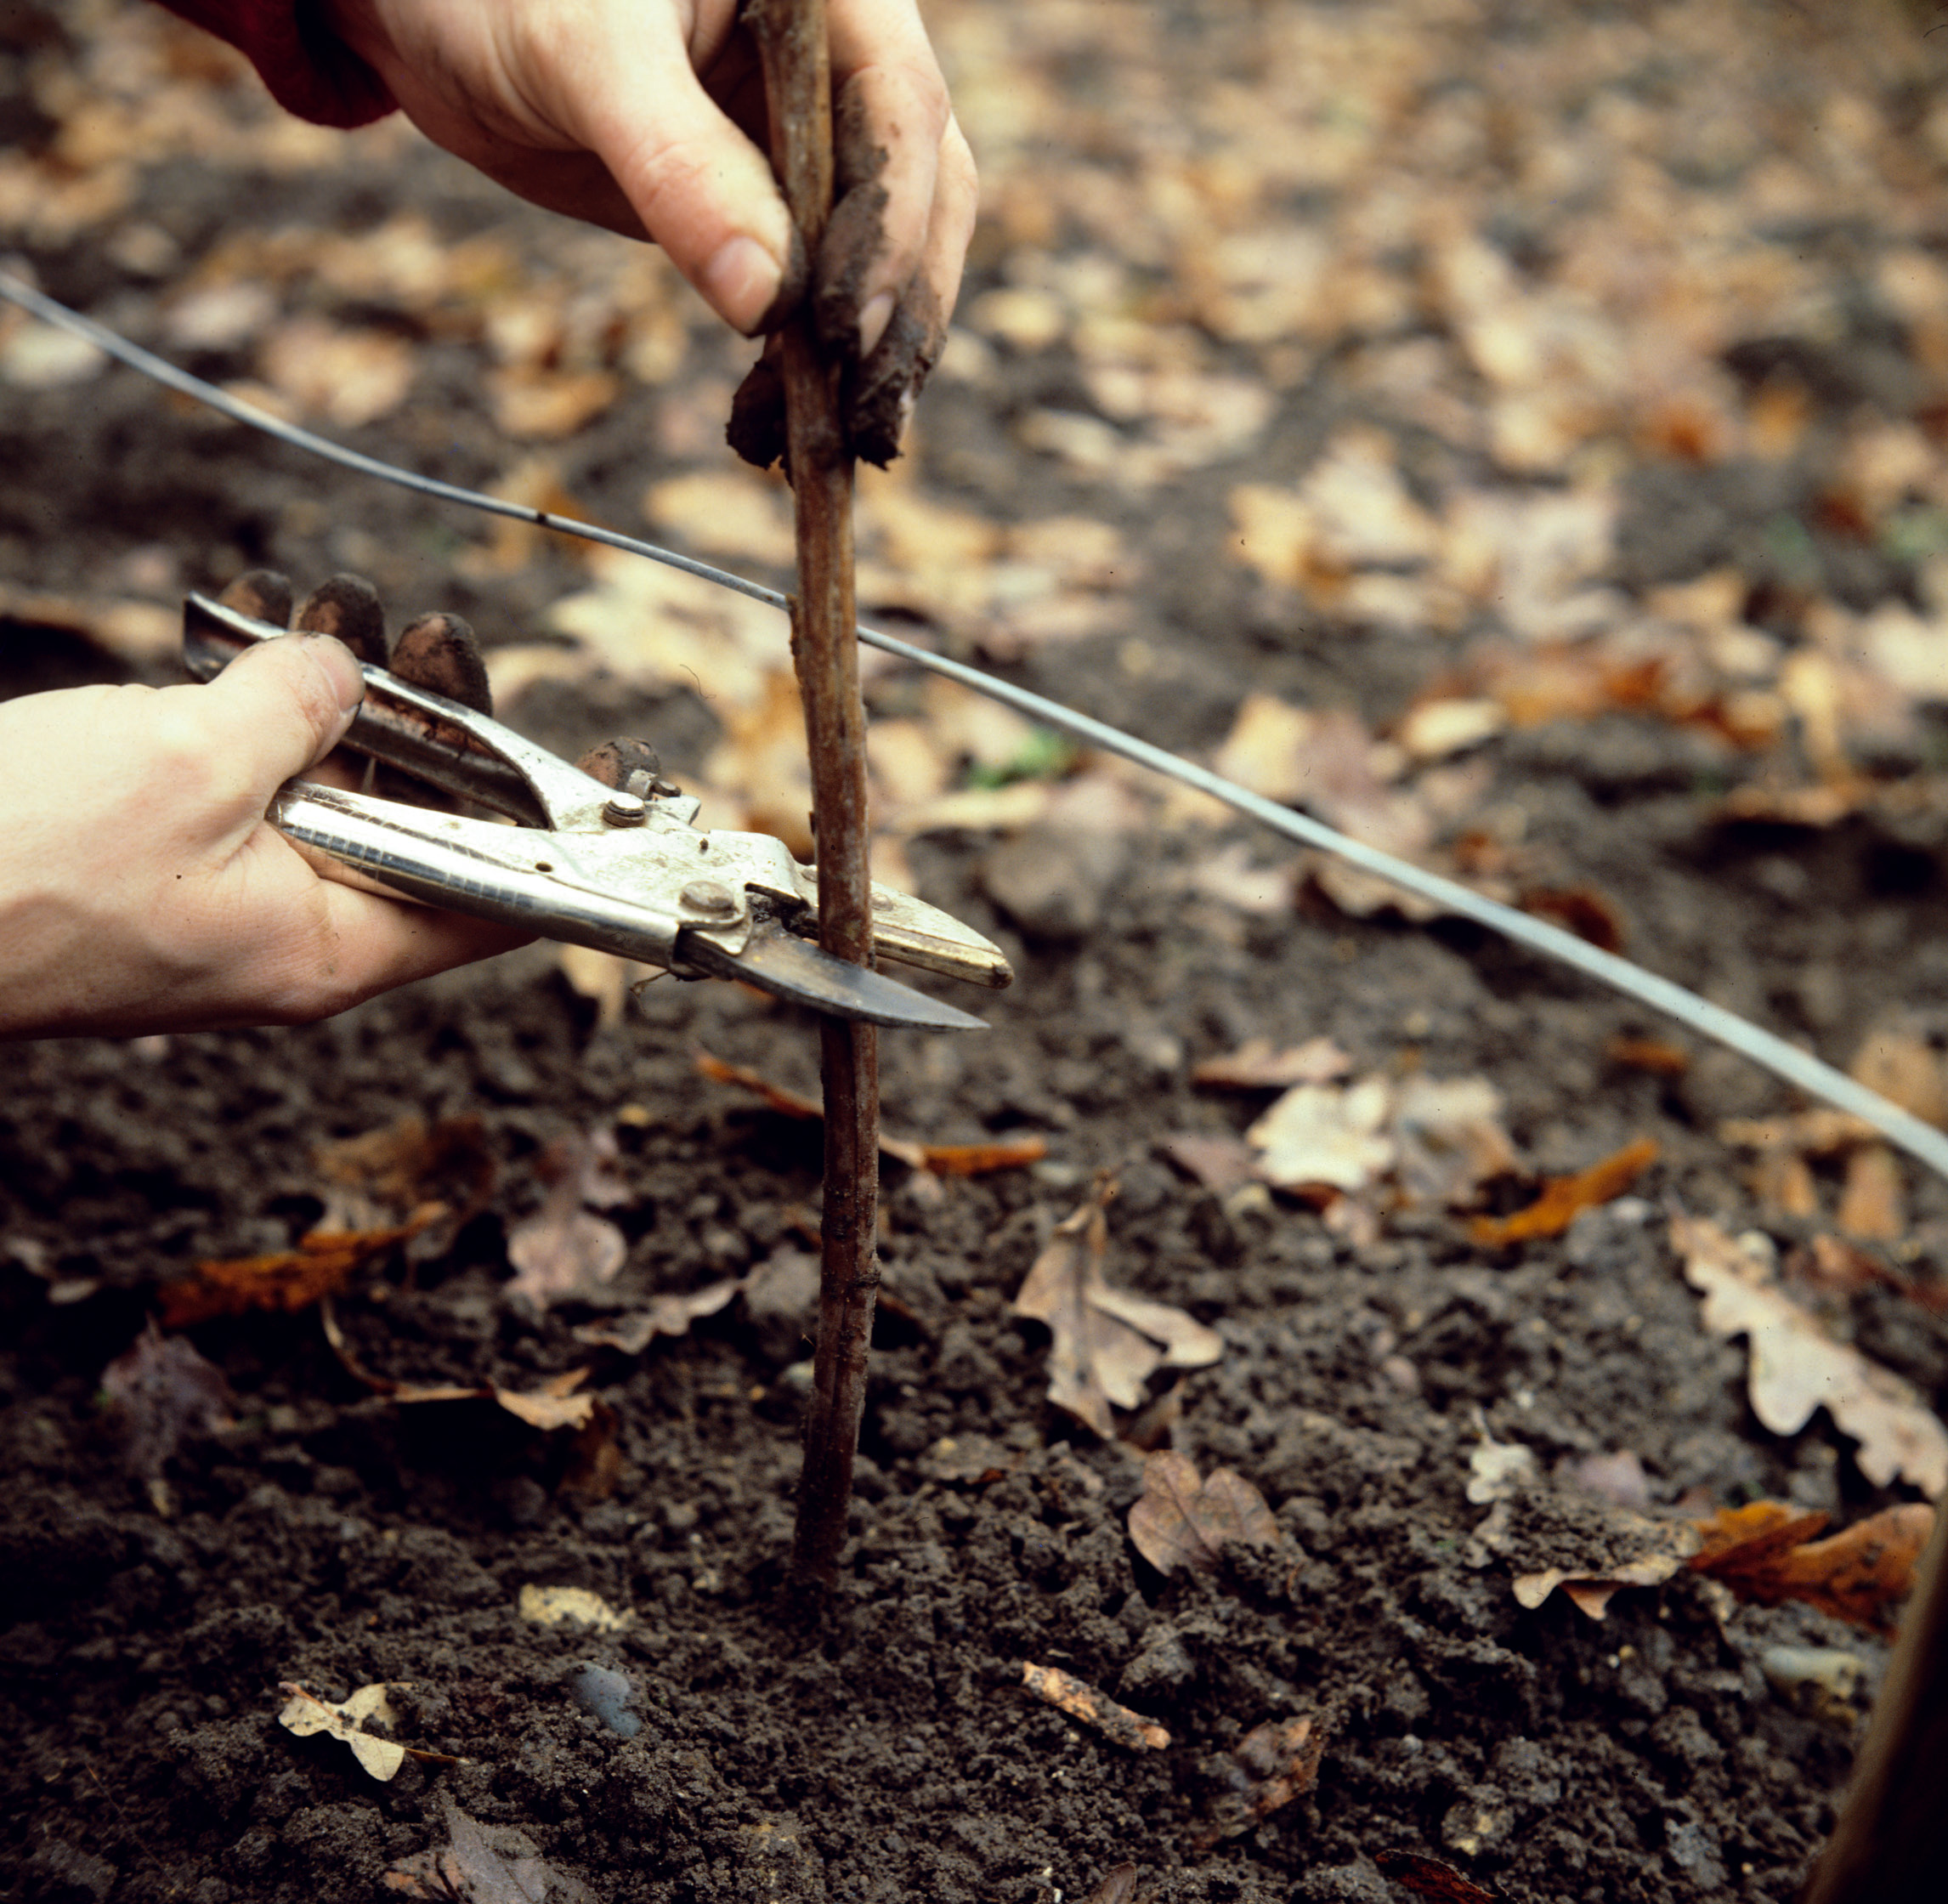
{"x":306,"y":1713}
{"x":1180,"y":1521}
{"x":565,"y":1252}
{"x":483,"y":1864}
{"x":1797,"y":1368}
{"x":1107,"y":1342}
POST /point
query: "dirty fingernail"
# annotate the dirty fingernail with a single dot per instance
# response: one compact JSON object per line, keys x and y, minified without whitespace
{"x":347,"y":678}
{"x":873,"y":322}
{"x":742,"y":281}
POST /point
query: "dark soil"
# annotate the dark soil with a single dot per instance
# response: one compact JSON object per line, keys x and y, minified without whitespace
{"x":888,"y":1750}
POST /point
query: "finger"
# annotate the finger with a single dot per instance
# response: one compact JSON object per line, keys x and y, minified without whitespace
{"x":703,"y":190}
{"x":276,"y":710}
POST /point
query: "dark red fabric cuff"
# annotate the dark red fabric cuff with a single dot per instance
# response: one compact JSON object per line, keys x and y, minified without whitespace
{"x":310,"y":70}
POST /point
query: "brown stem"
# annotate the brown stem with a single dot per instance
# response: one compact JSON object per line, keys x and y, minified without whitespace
{"x":1886,"y":1848}
{"x":792,"y":38}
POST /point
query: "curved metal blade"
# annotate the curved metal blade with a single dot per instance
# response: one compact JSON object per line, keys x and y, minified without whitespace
{"x":798,"y":969}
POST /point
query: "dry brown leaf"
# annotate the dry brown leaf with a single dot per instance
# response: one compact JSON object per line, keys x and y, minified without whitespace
{"x":942,"y":1160}
{"x":1427,"y":1876}
{"x":348,"y":377}
{"x":287,"y":1279}
{"x":1765,"y":1552}
{"x":1326,"y":1134}
{"x":564,"y":1252}
{"x":1107,"y":1343}
{"x":1797,"y":1368}
{"x":1179,"y":1520}
{"x":483,"y":1864}
{"x":1906,"y":1069}
{"x":1873,"y":1202}
{"x":1564,"y":1198}
{"x":1256,"y":1065}
{"x":1276,"y":1763}
{"x":1220,"y":1162}
{"x":1080,"y":1700}
{"x":385,"y":1174}
{"x":1118,"y":1885}
{"x":569,"y":1606}
{"x":1649,"y":1054}
{"x":633,"y":1331}
{"x":162,"y":1391}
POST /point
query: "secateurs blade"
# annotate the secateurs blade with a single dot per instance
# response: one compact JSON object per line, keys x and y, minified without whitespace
{"x":622,"y":867}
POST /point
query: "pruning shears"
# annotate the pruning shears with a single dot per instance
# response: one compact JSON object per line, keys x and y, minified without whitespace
{"x":622,"y":867}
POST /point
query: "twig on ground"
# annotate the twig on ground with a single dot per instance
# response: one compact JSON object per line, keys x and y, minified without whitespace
{"x":792,"y":38}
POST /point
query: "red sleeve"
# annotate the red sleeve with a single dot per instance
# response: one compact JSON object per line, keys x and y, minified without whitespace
{"x":309,"y":70}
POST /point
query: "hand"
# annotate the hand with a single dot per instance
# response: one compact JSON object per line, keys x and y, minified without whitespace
{"x":141,"y":888}
{"x":649,"y":117}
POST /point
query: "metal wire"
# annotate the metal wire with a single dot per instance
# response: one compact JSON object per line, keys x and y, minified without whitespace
{"x":1820,"y":1079}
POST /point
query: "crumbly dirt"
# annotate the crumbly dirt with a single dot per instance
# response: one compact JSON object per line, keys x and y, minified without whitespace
{"x":886,"y":1749}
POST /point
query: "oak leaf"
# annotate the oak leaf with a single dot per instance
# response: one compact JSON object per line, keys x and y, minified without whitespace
{"x":304,"y":1714}
{"x":1180,"y":1521}
{"x":483,"y":1864}
{"x":1565,"y":1198}
{"x":1797,"y":1368}
{"x":1107,"y":1341}
{"x":1274,"y":1764}
{"x":1765,"y":1552}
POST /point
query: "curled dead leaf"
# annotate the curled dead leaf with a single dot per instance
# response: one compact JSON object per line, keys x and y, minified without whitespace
{"x":1107,"y":1342}
{"x":1765,"y":1552}
{"x":286,"y":1279}
{"x":1564,"y":1198}
{"x":1180,"y":1521}
{"x":305,"y":1713}
{"x":564,"y":1252}
{"x":940,"y":1159}
{"x":163,"y":1391}
{"x":1272,"y":1764}
{"x":483,"y":1864}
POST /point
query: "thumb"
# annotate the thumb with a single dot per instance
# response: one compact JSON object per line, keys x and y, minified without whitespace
{"x":281,"y":707}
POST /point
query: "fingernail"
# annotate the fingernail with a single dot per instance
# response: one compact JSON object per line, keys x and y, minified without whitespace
{"x":742,"y":280}
{"x":347,"y":678}
{"x":873,"y":322}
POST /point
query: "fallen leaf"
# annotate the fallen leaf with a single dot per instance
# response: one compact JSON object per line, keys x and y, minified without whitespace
{"x":1220,"y":1162}
{"x":1498,"y":1470}
{"x":635,"y":1329}
{"x":555,"y":1404}
{"x":1274,"y":1764}
{"x":1765,"y":1552}
{"x":942,"y":1160}
{"x":1873,"y":1203}
{"x":1107,"y":1343}
{"x":1649,"y":1054}
{"x":1179,"y":1520}
{"x":483,"y":1864}
{"x":1427,"y":1876}
{"x":163,"y":1391}
{"x":564,"y":1252}
{"x":288,"y":1279}
{"x":305,"y":1713}
{"x":571,"y":1606}
{"x":1080,"y":1700}
{"x":1579,"y":909}
{"x":1797,"y":1368}
{"x":1118,"y":1885}
{"x":1905,"y":1069}
{"x":1564,"y":1198}
{"x":385,"y":1174}
{"x":1257,"y":1065}
{"x":1448,"y":1136}
{"x":1322,"y":1134}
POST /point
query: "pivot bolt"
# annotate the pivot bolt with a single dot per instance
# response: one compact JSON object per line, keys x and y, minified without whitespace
{"x":709,"y":899}
{"x":625,"y":809}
